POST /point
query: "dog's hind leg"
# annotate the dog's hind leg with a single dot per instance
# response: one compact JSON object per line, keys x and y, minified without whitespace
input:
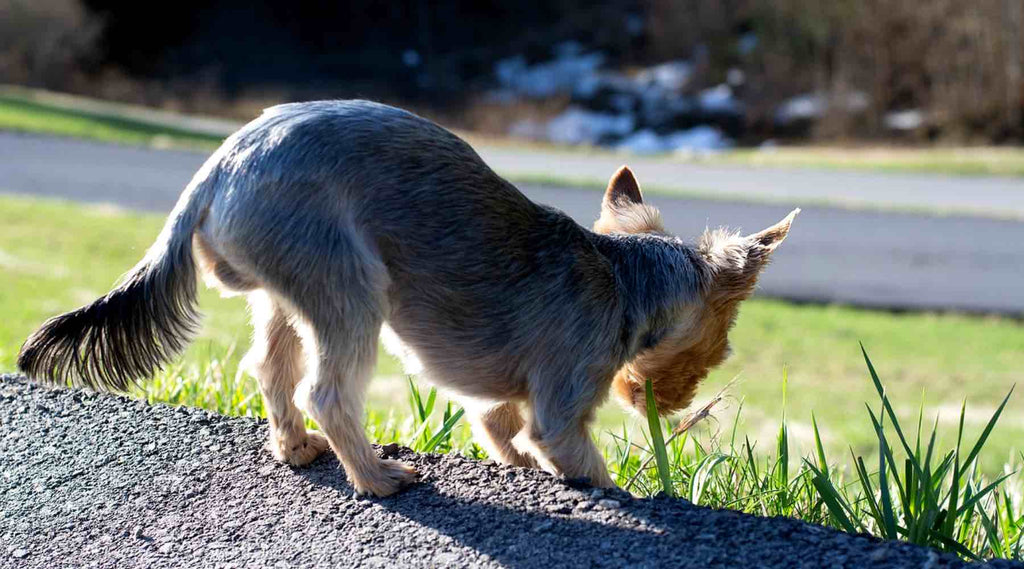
{"x":345,"y":344}
{"x":341,"y":300}
{"x":495,"y":426}
{"x":277,"y":361}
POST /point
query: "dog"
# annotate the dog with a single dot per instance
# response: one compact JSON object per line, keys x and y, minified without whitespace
{"x":348,"y":221}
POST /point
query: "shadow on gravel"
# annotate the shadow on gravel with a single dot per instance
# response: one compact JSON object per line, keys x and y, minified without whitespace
{"x":518,"y":538}
{"x":520,"y":525}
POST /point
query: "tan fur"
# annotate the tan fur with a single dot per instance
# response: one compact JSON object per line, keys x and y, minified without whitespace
{"x":332,"y":394}
{"x":216,"y":272}
{"x":496,"y":426}
{"x":679,"y":362}
{"x":699,"y":341}
{"x":676,"y":365}
{"x":277,"y":362}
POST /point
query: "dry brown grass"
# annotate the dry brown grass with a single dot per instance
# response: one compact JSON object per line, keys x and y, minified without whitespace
{"x":962,"y":62}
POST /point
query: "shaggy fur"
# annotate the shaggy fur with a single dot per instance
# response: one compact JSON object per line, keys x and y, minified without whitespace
{"x":343,"y":220}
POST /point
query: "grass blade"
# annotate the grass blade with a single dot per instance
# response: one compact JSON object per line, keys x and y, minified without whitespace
{"x":833,"y":499}
{"x":885,"y":402}
{"x":888,"y":515}
{"x":658,"y":442}
{"x":822,"y":463}
{"x":988,"y":430}
{"x":444,"y":432}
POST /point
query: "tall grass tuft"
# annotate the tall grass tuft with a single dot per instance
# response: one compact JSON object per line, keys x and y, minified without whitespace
{"x":914,"y":492}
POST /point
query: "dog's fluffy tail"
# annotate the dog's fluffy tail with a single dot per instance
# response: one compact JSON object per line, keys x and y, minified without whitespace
{"x":147,"y":320}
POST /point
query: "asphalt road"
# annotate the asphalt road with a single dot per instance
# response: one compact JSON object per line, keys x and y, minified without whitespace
{"x":94,"y":480}
{"x":860,"y":257}
{"x":988,"y":195}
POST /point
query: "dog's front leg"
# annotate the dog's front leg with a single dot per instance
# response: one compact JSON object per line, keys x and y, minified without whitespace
{"x":557,"y":431}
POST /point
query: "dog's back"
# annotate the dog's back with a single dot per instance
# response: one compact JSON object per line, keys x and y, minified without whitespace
{"x":474,"y":266}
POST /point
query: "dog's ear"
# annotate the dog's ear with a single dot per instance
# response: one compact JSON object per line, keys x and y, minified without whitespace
{"x":760,"y":245}
{"x":623,"y":189}
{"x":738,"y":261}
{"x":772,"y":237}
{"x":623,"y":209}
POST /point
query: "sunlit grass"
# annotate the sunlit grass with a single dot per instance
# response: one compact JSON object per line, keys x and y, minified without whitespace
{"x":18,"y":114}
{"x":980,"y":161}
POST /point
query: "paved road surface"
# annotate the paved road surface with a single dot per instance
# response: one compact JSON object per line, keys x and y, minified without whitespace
{"x":994,"y":196}
{"x":96,"y":480}
{"x":866,"y":258}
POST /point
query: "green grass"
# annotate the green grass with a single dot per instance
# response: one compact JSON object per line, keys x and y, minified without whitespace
{"x":980,"y":161}
{"x":56,"y":255}
{"x":22,"y":115}
{"x":920,"y":491}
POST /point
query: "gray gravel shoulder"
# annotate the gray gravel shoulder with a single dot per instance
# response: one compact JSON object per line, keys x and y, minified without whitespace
{"x":104,"y":481}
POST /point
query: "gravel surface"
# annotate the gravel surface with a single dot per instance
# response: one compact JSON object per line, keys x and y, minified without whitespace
{"x":100,"y":480}
{"x":864,"y":258}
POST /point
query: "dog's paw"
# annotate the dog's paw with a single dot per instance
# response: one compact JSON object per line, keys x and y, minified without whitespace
{"x":391,"y":477}
{"x":300,"y":452}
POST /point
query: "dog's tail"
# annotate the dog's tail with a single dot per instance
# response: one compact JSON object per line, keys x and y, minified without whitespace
{"x":147,"y":320}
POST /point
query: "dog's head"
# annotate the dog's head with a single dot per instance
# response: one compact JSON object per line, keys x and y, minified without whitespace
{"x":696,"y":340}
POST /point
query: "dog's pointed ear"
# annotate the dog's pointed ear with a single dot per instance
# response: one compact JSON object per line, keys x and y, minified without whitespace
{"x":623,"y":209}
{"x":772,"y":237}
{"x":623,"y":189}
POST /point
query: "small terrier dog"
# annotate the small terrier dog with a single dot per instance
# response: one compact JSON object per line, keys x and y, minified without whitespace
{"x":348,"y":221}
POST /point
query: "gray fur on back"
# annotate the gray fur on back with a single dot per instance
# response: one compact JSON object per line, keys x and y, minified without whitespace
{"x":482,"y":282}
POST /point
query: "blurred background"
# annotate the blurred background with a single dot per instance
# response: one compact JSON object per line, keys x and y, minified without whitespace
{"x":897,"y":125}
{"x":645,"y":75}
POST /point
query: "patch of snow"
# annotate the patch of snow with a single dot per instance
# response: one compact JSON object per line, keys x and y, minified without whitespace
{"x":904,"y":120}
{"x":589,"y":86}
{"x":671,"y":76}
{"x":658,"y":106}
{"x":642,"y":142}
{"x":857,"y":101}
{"x":747,"y":43}
{"x":568,"y":49}
{"x":579,"y":126}
{"x":559,"y":75}
{"x":735,"y":77}
{"x":528,"y":128}
{"x":718,"y":100}
{"x":808,"y":106}
{"x":411,"y":58}
{"x":500,"y":96}
{"x":635,"y":25}
{"x":812,"y":106}
{"x":699,"y":140}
